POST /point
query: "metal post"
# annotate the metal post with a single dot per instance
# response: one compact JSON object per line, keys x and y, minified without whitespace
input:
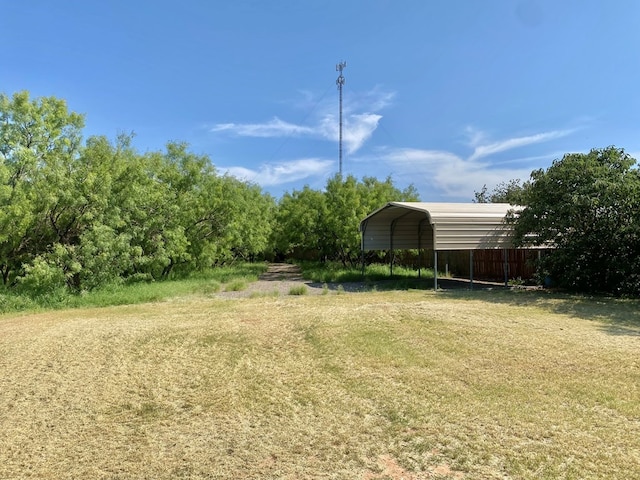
{"x":419,"y":248}
{"x":446,"y":266}
{"x":362,"y":230}
{"x":470,"y":269}
{"x":435,"y":269}
{"x":391,"y":229}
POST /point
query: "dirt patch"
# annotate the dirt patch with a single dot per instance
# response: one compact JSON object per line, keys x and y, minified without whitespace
{"x":282,"y":278}
{"x":390,"y":469}
{"x":282,"y":272}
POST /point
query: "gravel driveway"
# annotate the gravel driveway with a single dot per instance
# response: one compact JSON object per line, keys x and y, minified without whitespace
{"x":280,"y":278}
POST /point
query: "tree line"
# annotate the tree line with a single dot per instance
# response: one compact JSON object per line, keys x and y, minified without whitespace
{"x":78,"y":214}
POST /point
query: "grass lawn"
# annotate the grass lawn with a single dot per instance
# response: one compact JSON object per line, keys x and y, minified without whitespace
{"x":382,"y":385}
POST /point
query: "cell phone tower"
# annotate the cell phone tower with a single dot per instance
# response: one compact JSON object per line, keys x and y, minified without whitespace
{"x":340,"y":82}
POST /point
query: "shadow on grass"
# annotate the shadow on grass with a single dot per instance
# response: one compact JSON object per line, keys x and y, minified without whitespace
{"x":369,"y":285}
{"x":617,"y":316}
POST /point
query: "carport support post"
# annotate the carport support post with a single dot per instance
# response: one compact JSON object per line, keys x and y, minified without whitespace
{"x":470,"y":269}
{"x":446,"y":266}
{"x":392,"y":227}
{"x":419,"y":248}
{"x":435,"y":269}
{"x":362,"y":245}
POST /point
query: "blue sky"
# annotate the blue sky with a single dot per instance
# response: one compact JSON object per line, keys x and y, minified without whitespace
{"x":447,"y":95}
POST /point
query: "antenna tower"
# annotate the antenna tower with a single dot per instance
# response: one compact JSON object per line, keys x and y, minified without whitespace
{"x":340,"y":82}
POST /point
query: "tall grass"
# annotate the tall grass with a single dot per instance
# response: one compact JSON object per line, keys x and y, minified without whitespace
{"x":335,"y":272}
{"x":298,"y":290}
{"x":204,"y":282}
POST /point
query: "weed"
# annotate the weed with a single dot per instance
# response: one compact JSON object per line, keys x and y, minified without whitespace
{"x":298,"y":290}
{"x":236,"y":285}
{"x":211,"y":287}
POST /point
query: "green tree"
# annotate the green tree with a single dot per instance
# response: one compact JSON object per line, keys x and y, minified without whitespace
{"x":39,"y":140}
{"x":298,"y":229}
{"x":248,"y":230}
{"x":512,"y":192}
{"x":345,"y":208}
{"x":326,"y":224}
{"x":587,"y":208}
{"x":79,"y":216}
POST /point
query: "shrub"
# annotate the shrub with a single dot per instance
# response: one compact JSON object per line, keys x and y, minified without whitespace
{"x":41,"y":278}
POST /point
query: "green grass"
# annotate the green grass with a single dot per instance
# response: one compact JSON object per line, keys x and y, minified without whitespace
{"x":271,"y":294}
{"x":236,"y":285}
{"x":335,"y":272}
{"x":230,"y":278}
{"x":299,"y":290}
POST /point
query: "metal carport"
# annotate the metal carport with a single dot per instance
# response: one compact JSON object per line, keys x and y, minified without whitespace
{"x":438,"y":226}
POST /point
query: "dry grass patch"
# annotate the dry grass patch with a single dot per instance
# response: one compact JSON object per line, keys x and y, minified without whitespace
{"x":394,"y":385}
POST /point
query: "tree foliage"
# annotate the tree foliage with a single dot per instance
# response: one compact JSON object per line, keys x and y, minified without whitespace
{"x":325,"y":224}
{"x":587,"y":208}
{"x":76,"y":215}
{"x":511,"y":191}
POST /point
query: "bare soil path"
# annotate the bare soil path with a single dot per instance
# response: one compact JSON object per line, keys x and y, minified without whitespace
{"x":282,"y":271}
{"x":281,"y":278}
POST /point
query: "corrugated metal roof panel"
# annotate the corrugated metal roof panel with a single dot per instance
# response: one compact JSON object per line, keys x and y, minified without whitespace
{"x":443,"y":226}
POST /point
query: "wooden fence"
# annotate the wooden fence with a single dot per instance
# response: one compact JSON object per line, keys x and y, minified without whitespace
{"x":487,"y":264}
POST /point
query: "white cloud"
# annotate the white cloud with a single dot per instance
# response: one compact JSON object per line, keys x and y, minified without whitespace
{"x":359,"y":123}
{"x":281,"y":173}
{"x":448,"y":174}
{"x":454,"y":176}
{"x":484,"y":150}
{"x":273,"y":128}
{"x":356,"y":129}
{"x":374,"y":100}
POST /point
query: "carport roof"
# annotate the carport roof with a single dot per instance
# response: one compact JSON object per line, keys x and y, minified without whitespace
{"x":438,"y":226}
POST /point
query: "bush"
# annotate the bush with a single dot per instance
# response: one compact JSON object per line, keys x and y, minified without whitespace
{"x":41,"y":278}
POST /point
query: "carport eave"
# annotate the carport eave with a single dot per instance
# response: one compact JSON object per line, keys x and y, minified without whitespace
{"x":384,"y":223}
{"x":462,"y":226}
